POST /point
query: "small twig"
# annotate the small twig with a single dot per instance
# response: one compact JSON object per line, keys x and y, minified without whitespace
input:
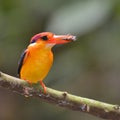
{"x":63,"y":99}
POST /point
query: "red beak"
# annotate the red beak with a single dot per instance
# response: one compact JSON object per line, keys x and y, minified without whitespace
{"x":61,"y":39}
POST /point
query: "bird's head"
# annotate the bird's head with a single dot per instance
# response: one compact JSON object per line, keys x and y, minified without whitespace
{"x":49,"y":38}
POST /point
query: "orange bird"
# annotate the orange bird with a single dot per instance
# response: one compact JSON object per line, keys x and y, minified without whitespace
{"x":37,"y":59}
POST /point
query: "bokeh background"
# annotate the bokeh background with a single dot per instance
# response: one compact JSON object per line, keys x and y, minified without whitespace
{"x":89,"y":67}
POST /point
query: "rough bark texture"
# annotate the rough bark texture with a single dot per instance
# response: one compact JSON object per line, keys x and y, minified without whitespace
{"x":63,"y":99}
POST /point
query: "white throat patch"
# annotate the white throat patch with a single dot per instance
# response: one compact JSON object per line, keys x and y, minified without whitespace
{"x":32,"y":44}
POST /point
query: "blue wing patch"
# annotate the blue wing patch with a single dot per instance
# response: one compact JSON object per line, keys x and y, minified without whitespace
{"x":20,"y":63}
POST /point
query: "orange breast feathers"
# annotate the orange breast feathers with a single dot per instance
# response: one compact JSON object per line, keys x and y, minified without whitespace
{"x":37,"y":63}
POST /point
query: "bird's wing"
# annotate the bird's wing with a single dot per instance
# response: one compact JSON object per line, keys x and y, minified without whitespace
{"x":22,"y":60}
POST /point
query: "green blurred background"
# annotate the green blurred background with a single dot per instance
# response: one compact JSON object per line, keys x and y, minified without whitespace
{"x":89,"y":67}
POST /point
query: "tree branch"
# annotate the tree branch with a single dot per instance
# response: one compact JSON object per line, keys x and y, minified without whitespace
{"x":63,"y":99}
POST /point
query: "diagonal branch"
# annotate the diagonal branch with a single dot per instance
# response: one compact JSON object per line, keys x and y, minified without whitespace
{"x":63,"y":99}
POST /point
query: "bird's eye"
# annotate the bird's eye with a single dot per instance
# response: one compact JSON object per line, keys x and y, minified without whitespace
{"x":44,"y":38}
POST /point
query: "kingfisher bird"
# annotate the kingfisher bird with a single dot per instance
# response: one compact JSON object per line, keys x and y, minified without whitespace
{"x":37,"y":59}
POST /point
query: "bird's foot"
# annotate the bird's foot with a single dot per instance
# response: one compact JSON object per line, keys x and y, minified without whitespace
{"x":44,"y":87}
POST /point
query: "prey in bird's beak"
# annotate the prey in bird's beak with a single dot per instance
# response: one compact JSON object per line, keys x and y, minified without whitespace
{"x":61,"y":39}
